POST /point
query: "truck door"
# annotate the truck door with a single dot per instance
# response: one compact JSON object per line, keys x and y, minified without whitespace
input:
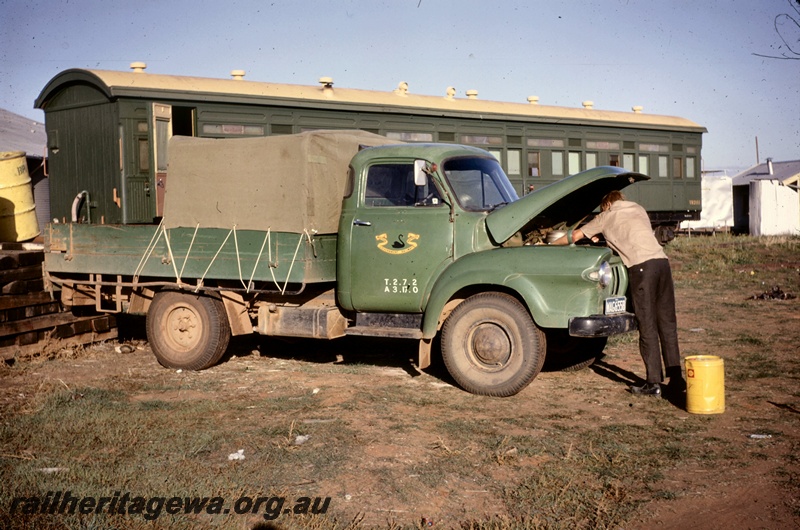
{"x":401,"y":235}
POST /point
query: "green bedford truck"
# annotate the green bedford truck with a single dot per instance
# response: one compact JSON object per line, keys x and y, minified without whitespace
{"x":332,"y":233}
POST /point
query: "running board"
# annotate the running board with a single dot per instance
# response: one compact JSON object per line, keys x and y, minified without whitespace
{"x":388,"y":332}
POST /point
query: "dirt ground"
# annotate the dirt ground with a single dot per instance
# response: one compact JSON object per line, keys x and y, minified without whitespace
{"x":369,"y":385}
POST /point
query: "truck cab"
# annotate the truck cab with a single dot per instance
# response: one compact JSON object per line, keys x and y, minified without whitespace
{"x":424,"y":237}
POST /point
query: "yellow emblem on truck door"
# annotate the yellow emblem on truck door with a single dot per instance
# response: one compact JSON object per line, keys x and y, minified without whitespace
{"x":401,"y":245}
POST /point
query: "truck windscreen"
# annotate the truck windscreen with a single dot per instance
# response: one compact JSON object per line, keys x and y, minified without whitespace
{"x":479,"y":183}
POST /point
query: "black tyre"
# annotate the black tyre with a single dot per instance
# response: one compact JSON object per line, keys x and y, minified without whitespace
{"x":186,"y":330}
{"x":664,"y":234}
{"x":571,"y":354}
{"x":491,"y":346}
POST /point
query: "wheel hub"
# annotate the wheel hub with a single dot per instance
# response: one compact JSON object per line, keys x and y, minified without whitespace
{"x":491,"y":344}
{"x":183,"y":326}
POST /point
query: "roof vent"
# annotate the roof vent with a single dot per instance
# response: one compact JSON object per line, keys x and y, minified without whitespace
{"x":402,"y":89}
{"x":451,"y":92}
{"x":770,"y":167}
{"x":533,"y":100}
{"x":138,"y":67}
{"x":588,"y":104}
{"x":472,"y":94}
{"x":637,"y":109}
{"x":237,"y":74}
{"x":327,"y":86}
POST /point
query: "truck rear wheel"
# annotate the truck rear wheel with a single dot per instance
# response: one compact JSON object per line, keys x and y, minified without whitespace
{"x":187,"y":331}
{"x":491,"y":346}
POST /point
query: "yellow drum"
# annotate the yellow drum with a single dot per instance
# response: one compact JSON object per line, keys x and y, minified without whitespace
{"x":705,"y":384}
{"x":17,"y":210}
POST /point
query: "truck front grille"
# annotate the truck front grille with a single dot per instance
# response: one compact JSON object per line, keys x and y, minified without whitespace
{"x":618,"y":285}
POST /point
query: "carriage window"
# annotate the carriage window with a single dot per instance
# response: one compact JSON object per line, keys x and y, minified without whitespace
{"x":514,"y":162}
{"x":233,"y":129}
{"x":653,"y":148}
{"x":162,"y":137}
{"x":690,"y":167}
{"x":677,"y":167}
{"x":481,"y":140}
{"x":543,"y":142}
{"x":144,"y":155}
{"x":627,"y":161}
{"x":574,"y":162}
{"x":643,"y":164}
{"x":663,"y":166}
{"x":410,"y":136}
{"x":611,"y":146}
{"x":558,"y":163}
{"x":533,"y":164}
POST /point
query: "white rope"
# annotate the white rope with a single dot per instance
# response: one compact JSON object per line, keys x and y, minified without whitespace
{"x":148,"y":251}
{"x":258,"y":258}
{"x":271,"y":268}
{"x":200,"y":282}
{"x":191,"y":244}
{"x":172,"y":258}
{"x":296,"y":250}
{"x":160,"y":230}
{"x":238,"y":258}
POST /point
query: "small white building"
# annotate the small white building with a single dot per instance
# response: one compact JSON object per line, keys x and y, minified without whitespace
{"x":766,"y":200}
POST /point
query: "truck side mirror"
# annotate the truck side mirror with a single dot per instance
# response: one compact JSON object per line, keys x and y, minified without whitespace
{"x":420,"y":175}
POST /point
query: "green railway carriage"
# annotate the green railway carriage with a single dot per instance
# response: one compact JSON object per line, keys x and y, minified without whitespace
{"x":108,"y":133}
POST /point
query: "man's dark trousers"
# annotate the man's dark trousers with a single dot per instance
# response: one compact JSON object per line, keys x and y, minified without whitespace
{"x":653,"y":296}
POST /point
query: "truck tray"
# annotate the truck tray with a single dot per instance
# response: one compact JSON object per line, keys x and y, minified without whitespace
{"x":191,"y":254}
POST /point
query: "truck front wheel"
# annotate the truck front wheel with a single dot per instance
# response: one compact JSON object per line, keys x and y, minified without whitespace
{"x":187,"y":331}
{"x":491,"y":346}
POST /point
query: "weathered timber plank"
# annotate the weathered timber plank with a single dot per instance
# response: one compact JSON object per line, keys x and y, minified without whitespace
{"x":12,"y":259}
{"x":31,"y":272}
{"x":9,"y":352}
{"x":13,"y":302}
{"x":40,"y":322}
{"x":29,"y":311}
{"x":22,"y":287}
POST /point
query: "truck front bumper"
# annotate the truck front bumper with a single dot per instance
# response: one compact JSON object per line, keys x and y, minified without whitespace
{"x":602,"y":325}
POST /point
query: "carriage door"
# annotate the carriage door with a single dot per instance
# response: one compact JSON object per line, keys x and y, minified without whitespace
{"x":162,"y":131}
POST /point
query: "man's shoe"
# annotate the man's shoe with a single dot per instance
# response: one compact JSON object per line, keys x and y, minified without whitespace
{"x":648,"y":389}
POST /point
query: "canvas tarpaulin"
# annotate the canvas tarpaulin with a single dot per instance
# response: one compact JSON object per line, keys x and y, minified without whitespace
{"x":290,"y":183}
{"x":716,"y":194}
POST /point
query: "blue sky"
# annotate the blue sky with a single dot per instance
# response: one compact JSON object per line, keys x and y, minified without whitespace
{"x":691,"y":58}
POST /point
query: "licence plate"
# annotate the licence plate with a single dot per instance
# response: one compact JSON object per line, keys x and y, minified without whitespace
{"x":615,"y":305}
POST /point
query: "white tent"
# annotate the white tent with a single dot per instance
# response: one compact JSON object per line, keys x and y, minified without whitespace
{"x":717,"y":201}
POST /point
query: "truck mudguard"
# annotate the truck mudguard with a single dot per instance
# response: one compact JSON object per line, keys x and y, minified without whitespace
{"x":540,"y":275}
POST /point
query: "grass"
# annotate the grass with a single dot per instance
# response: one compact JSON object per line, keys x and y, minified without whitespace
{"x":382,"y":446}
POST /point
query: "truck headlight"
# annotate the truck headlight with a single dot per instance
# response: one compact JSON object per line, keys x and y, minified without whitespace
{"x":603,"y":275}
